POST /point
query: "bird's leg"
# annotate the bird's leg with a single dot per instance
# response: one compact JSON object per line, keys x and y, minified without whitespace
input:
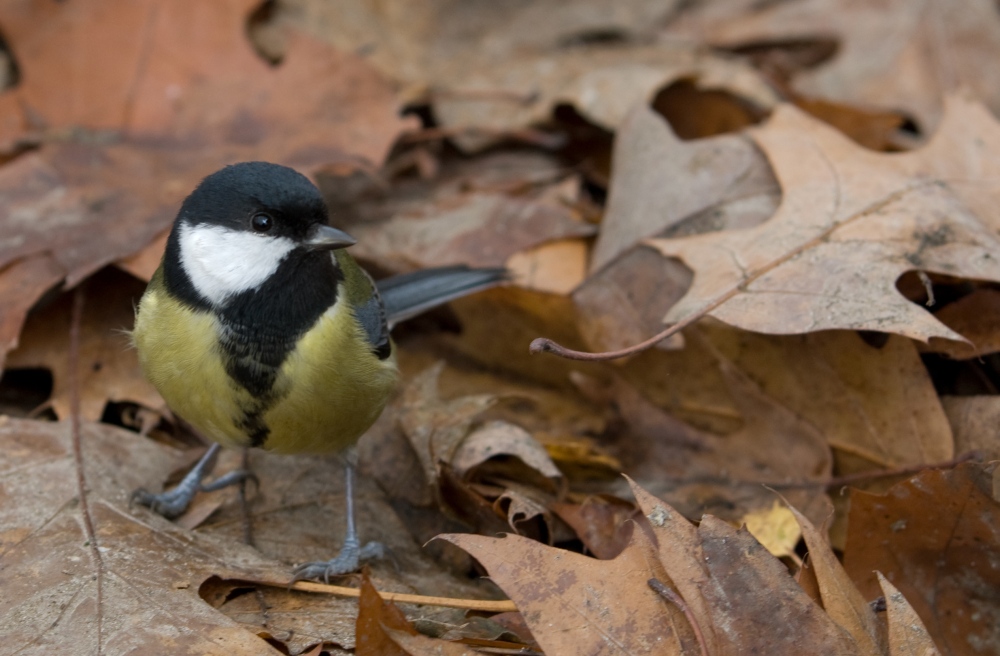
{"x":352,"y":553}
{"x":174,"y":502}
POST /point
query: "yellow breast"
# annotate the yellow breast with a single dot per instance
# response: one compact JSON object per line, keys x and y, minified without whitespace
{"x":329,"y":390}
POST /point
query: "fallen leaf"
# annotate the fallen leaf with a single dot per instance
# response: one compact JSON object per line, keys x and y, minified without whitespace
{"x":975,"y":317}
{"x":775,"y":528}
{"x":742,"y":596}
{"x":841,"y":599}
{"x":376,"y":618}
{"x":110,"y":369}
{"x":727,"y":184}
{"x":850,"y":223}
{"x":907,"y":634}
{"x":556,"y":267}
{"x":21,"y":284}
{"x":578,"y":605}
{"x":549,"y":58}
{"x":436,"y":427}
{"x":498,"y":439}
{"x":483,"y":228}
{"x":600,"y":522}
{"x":727,"y":476}
{"x":623,"y":303}
{"x":935,"y":538}
{"x":896,"y":54}
{"x":976,"y":423}
{"x":54,"y":591}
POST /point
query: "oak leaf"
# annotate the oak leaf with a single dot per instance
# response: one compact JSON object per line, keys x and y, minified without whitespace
{"x":850,"y":223}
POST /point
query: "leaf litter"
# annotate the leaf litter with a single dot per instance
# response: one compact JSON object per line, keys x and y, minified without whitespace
{"x":624,"y":176}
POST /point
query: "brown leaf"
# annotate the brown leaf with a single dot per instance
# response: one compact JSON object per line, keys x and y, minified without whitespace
{"x":935,"y":538}
{"x":976,"y":317}
{"x":975,"y":420}
{"x":742,"y":596}
{"x":499,"y":438}
{"x":895,"y":54}
{"x":877,"y":403}
{"x":841,"y":598}
{"x":376,"y":618}
{"x":110,"y":368}
{"x":549,"y":58}
{"x":907,"y":634}
{"x":599,"y":522}
{"x":624,"y":303}
{"x":151,"y":570}
{"x":578,"y":605}
{"x":21,"y":284}
{"x":775,"y":446}
{"x":846,"y":211}
{"x":661,"y":183}
{"x":482,"y":228}
{"x":436,"y":427}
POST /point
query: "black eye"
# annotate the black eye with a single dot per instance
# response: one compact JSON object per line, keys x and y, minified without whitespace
{"x":261,"y":222}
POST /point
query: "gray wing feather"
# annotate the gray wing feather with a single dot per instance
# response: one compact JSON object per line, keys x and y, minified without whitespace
{"x":409,"y":294}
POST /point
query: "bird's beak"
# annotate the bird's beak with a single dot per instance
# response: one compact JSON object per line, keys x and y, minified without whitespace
{"x":322,"y":237}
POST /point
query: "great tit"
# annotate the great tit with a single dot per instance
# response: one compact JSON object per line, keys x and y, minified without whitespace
{"x":260,"y":330}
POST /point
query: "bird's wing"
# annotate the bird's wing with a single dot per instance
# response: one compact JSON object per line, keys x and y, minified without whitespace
{"x":409,"y":294}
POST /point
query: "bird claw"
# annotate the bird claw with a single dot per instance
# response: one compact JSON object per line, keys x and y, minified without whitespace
{"x":349,"y":560}
{"x":175,"y":502}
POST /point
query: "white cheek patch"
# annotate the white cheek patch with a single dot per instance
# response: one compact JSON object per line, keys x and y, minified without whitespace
{"x":223,"y":262}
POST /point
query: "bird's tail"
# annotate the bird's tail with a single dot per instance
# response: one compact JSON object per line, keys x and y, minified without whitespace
{"x":409,"y":294}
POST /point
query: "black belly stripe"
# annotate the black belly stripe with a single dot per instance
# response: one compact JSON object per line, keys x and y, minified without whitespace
{"x":260,"y":328}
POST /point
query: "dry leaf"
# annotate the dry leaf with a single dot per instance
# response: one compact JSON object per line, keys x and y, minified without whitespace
{"x":894,"y":54}
{"x":976,"y":422}
{"x":600,"y":522}
{"x":661,"y":183}
{"x":21,"y":284}
{"x":841,"y":598}
{"x":499,"y":438}
{"x":775,"y":528}
{"x":742,"y":596}
{"x":935,"y":537}
{"x":486,"y":229}
{"x":435,"y":427}
{"x":907,"y":634}
{"x":151,"y":570}
{"x":110,"y":368}
{"x":549,"y":55}
{"x":975,"y":317}
{"x":850,"y":223}
{"x":578,"y":605}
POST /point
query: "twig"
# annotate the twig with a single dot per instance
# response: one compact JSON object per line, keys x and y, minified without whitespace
{"x":76,"y":318}
{"x":486,"y":606}
{"x":841,"y":481}
{"x":674,"y":598}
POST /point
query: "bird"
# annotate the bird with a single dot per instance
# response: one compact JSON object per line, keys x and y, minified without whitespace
{"x":260,"y":330}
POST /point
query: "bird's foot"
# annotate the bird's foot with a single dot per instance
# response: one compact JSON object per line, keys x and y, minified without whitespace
{"x":175,"y":502}
{"x":349,"y":560}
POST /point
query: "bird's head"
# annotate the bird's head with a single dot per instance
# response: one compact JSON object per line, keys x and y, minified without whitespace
{"x":242,"y":222}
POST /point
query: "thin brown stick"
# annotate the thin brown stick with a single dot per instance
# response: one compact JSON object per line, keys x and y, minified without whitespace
{"x":483,"y":605}
{"x":76,"y":319}
{"x":850,"y":479}
{"x":674,"y":598}
{"x":841,"y":481}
